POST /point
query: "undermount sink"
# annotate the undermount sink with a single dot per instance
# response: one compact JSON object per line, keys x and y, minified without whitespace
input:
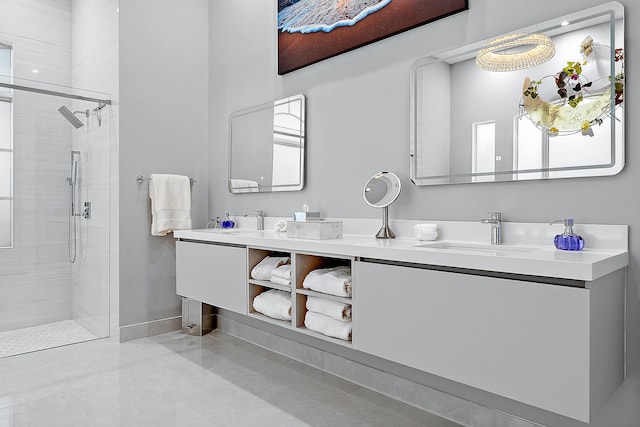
{"x":477,"y":247}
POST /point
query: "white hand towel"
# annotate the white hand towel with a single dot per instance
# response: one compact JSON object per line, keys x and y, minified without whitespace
{"x":170,"y":203}
{"x":274,"y":303}
{"x":263,"y":270}
{"x":334,"y":281}
{"x":327,"y":326}
{"x":334,"y":309}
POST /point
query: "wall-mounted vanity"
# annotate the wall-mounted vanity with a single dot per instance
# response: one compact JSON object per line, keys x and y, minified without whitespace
{"x":529,"y":323}
{"x":471,"y":125}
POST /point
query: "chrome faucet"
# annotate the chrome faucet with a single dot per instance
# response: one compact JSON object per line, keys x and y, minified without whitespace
{"x":259,"y":218}
{"x":495,"y":219}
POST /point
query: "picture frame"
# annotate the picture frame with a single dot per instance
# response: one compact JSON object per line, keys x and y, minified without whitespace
{"x":310,"y":31}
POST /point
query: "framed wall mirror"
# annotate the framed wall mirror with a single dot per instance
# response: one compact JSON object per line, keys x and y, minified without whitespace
{"x":266,"y":147}
{"x":500,"y":110}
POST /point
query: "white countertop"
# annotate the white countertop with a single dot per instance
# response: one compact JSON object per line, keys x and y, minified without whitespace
{"x":536,"y":260}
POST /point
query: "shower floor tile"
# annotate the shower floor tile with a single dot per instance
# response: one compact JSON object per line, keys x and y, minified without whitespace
{"x":26,"y":340}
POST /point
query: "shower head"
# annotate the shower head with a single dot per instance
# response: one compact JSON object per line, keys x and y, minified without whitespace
{"x":70,"y":116}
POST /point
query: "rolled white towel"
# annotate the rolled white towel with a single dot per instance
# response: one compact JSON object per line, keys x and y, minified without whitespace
{"x":282,"y":275}
{"x":327,"y":326}
{"x":280,"y":281}
{"x":334,"y":309}
{"x":333,"y":280}
{"x":263,"y":270}
{"x":274,"y":303}
{"x":283,"y":271}
{"x":280,"y":226}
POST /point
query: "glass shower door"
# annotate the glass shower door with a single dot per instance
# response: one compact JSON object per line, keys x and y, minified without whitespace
{"x":54,"y":273}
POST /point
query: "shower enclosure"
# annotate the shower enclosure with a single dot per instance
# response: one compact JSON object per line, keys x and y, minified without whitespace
{"x":54,"y":203}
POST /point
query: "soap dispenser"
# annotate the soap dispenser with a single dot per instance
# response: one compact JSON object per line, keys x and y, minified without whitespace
{"x":228,"y":222}
{"x":568,"y":241}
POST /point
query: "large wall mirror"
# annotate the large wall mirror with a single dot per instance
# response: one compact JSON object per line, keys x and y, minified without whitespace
{"x":501,"y":110}
{"x":266,"y":147}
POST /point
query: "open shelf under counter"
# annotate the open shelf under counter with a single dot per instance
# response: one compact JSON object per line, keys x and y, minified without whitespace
{"x":256,"y":255}
{"x":305,"y":263}
{"x":279,"y":322}
{"x":309,"y":292}
{"x":255,"y":290}
{"x":269,"y":284}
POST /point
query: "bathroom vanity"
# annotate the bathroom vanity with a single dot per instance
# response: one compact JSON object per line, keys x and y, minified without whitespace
{"x":526,"y":322}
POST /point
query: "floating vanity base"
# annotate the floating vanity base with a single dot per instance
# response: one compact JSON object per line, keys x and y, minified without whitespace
{"x":553,"y":342}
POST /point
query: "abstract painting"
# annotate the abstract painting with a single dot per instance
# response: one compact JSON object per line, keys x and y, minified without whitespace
{"x":313,"y":30}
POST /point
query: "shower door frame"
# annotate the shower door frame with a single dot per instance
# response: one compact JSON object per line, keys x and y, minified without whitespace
{"x":55,"y":93}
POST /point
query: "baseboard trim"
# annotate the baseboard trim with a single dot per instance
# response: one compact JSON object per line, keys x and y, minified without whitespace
{"x":399,"y":387}
{"x":150,"y":329}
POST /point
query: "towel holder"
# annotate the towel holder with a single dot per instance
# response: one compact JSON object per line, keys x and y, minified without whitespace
{"x":141,"y":179}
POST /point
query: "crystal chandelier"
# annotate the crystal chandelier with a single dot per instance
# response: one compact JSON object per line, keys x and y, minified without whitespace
{"x":515,"y":52}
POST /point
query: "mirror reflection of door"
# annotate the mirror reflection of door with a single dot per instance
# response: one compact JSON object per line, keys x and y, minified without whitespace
{"x":288,"y":141}
{"x":483,"y":151}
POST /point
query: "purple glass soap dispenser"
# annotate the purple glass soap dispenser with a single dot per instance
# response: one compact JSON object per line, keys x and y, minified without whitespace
{"x":228,"y":222}
{"x":568,"y":240}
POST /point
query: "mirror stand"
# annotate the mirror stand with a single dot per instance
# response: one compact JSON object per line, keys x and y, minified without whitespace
{"x":380,"y":191}
{"x":385,"y":232}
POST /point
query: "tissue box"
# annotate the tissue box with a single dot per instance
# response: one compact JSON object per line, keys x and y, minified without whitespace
{"x":317,"y":230}
{"x":306,"y":216}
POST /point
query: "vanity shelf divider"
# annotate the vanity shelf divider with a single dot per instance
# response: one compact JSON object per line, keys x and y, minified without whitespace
{"x":309,"y":292}
{"x":256,"y":315}
{"x":269,"y":284}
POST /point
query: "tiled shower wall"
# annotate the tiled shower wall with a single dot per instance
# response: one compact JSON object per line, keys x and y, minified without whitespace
{"x":71,"y":44}
{"x":35,"y":274}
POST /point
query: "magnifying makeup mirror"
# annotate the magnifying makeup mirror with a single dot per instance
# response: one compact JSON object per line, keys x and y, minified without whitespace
{"x":380,"y":191}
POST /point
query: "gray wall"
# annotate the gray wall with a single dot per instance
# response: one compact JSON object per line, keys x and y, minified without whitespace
{"x":358,"y":124}
{"x":164,"y":54}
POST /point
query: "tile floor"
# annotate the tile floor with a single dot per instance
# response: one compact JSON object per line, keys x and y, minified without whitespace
{"x":179,"y":380}
{"x":34,"y":338}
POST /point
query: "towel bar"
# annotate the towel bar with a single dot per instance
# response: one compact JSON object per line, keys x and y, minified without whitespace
{"x":141,"y":179}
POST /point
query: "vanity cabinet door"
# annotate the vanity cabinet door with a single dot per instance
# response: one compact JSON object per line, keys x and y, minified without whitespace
{"x":213,"y":274}
{"x":522,"y":340}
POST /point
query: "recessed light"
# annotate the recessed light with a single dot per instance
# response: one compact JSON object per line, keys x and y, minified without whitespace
{"x":34,"y":71}
{"x":564,"y":23}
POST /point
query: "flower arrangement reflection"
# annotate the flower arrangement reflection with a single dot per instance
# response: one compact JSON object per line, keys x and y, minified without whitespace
{"x":579,"y":103}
